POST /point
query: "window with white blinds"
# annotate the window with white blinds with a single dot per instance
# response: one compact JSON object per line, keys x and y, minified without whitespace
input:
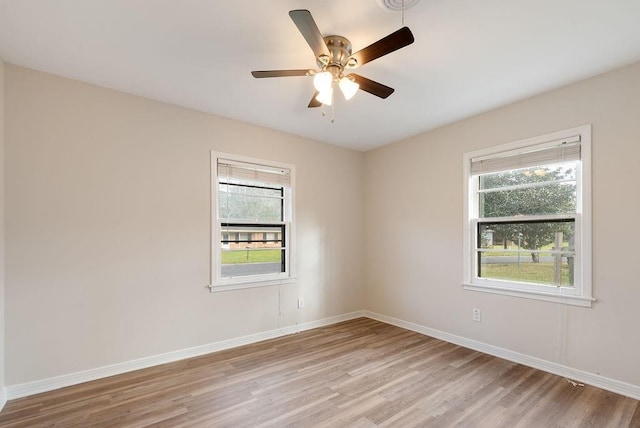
{"x":528,"y":218}
{"x":252,"y":222}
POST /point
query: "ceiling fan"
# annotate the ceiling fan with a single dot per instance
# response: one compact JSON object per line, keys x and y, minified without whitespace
{"x":334,"y":57}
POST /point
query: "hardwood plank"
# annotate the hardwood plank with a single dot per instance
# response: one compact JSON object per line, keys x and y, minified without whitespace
{"x":360,"y":373}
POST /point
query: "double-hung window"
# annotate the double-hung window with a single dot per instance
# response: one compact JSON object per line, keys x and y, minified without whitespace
{"x":528,"y":228}
{"x":252,"y":222}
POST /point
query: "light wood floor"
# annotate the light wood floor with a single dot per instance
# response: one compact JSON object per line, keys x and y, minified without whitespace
{"x":360,"y":373}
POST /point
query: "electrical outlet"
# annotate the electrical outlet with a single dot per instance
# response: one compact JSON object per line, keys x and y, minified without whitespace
{"x":477,"y":315}
{"x":300,"y":303}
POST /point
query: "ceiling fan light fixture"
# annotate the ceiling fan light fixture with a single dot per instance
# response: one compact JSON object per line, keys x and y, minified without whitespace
{"x":323,"y":81}
{"x":334,"y":56}
{"x":348,"y":87}
{"x":325,"y":97}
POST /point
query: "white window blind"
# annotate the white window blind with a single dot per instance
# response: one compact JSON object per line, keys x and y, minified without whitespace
{"x":254,"y":172}
{"x":555,"y":152}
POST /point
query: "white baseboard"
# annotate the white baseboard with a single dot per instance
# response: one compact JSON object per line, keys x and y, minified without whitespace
{"x":29,"y":388}
{"x":622,"y":388}
{"x":3,"y":397}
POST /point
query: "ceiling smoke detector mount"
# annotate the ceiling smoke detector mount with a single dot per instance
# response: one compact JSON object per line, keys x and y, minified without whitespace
{"x":397,"y":5}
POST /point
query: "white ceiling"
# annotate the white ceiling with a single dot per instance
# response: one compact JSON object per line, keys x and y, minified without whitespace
{"x":469,"y":55}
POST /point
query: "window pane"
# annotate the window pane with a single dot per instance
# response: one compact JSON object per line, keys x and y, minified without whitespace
{"x":241,"y":236}
{"x":250,"y":189}
{"x":251,"y":262}
{"x":251,"y":249}
{"x":237,"y":206}
{"x":557,"y":198}
{"x":537,"y":174}
{"x":527,"y":251}
{"x":546,"y":189}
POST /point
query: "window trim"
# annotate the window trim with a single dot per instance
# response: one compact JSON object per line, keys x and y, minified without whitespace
{"x":217,"y":283}
{"x":582,"y":293}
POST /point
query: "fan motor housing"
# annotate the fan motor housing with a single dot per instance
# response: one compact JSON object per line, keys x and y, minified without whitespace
{"x":339,"y":52}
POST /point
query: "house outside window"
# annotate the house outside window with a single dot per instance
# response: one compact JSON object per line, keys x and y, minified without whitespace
{"x":252,"y":222}
{"x":527,"y":226}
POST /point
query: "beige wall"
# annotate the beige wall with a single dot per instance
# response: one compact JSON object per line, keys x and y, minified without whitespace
{"x":107,"y":229}
{"x":414,"y":203}
{"x":2,"y":272}
{"x":108,"y":201}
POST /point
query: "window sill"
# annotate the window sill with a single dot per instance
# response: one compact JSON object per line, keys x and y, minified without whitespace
{"x":254,"y":283}
{"x":556,"y":297}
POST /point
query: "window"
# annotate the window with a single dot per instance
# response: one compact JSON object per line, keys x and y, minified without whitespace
{"x":528,"y":228}
{"x":252,"y":222}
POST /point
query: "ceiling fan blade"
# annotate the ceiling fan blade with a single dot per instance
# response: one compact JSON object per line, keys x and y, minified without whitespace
{"x":280,"y":73}
{"x":394,"y":41}
{"x":374,"y":88}
{"x":307,"y":26}
{"x":314,"y":103}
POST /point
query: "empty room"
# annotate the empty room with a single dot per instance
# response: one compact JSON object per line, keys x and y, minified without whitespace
{"x":373,"y":213}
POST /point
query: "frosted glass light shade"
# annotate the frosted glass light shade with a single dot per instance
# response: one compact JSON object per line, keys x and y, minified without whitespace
{"x":322,"y":81}
{"x":325,"y":97}
{"x":348,"y":87}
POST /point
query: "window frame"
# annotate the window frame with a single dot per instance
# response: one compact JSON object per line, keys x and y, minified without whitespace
{"x":217,"y":282}
{"x":581,"y":293}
